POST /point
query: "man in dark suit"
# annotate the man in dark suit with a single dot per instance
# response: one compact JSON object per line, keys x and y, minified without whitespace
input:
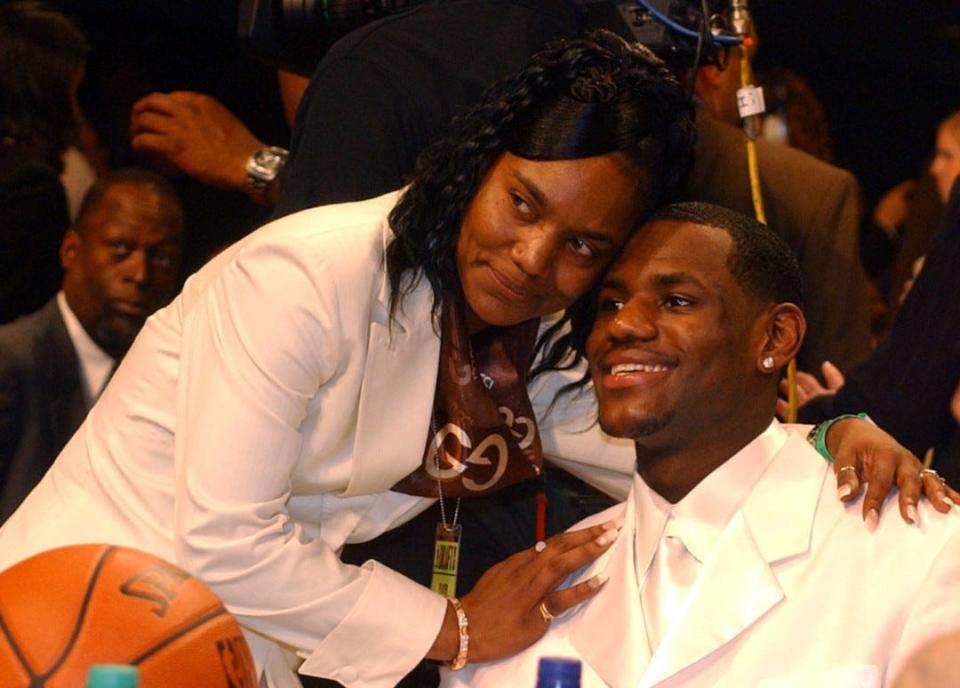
{"x":813,"y":205}
{"x":907,"y":384}
{"x":120,"y":262}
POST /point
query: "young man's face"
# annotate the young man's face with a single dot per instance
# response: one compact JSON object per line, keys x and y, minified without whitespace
{"x":674,"y":347}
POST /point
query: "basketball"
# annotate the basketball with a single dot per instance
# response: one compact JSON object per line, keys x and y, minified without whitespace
{"x":66,"y":609}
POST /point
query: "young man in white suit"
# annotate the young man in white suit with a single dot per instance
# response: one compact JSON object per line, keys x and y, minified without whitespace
{"x":736,"y":566}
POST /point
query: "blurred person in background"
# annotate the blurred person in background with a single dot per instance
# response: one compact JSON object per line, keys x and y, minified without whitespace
{"x":42,"y":58}
{"x":910,"y":213}
{"x":909,"y":385}
{"x":120,"y":261}
{"x":197,"y":135}
{"x":945,"y":167}
{"x":813,"y":205}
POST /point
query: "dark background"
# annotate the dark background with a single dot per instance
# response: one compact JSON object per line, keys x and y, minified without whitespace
{"x":886,"y":70}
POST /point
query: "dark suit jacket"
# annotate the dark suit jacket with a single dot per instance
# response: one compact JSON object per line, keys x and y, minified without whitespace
{"x":906,"y":384}
{"x":815,"y":207}
{"x":41,"y":400}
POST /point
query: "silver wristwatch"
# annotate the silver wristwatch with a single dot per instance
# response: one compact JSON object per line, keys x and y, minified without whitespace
{"x":264,"y":166}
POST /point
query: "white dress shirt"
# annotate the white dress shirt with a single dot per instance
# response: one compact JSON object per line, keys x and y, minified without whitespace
{"x":95,"y":363}
{"x":696,"y":521}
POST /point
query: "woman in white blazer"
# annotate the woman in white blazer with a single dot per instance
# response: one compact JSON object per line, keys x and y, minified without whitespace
{"x":261,"y":420}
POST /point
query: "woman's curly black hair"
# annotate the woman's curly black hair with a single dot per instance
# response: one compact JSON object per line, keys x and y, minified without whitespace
{"x":574,"y":99}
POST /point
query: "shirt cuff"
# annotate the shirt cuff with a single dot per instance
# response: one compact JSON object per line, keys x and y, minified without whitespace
{"x":391,"y":628}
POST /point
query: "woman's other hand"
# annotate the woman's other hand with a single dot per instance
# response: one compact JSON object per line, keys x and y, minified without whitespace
{"x":504,"y":608}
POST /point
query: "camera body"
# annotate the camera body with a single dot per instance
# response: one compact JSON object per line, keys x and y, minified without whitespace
{"x":670,"y":28}
{"x":294,"y":34}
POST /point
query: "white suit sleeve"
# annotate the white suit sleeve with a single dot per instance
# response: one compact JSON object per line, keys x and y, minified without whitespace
{"x":936,"y":610}
{"x":257,"y":345}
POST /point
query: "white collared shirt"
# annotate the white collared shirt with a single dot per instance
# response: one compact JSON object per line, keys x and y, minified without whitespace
{"x":95,"y":363}
{"x":702,"y":515}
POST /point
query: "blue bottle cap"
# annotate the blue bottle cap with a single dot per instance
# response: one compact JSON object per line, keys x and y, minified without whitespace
{"x":113,"y":676}
{"x":558,"y":672}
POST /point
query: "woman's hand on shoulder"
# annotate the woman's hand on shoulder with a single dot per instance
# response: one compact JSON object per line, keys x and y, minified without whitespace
{"x":863,"y":453}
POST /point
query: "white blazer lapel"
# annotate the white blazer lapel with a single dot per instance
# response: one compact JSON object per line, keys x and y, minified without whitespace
{"x":608,"y":632}
{"x":396,"y":398}
{"x":735,"y":588}
{"x":739,"y":581}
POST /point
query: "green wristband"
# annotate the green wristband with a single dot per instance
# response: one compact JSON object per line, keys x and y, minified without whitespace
{"x":817,"y":437}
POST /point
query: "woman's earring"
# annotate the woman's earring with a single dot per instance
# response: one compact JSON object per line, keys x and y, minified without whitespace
{"x":767,"y":362}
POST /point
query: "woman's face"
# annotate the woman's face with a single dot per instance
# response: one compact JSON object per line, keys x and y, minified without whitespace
{"x":946,"y":162}
{"x":537,"y":235}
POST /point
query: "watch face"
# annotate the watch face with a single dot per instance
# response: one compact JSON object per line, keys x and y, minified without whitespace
{"x":264,"y":165}
{"x":267,"y":160}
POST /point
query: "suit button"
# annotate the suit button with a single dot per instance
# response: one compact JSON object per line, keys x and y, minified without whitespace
{"x":347,"y":674}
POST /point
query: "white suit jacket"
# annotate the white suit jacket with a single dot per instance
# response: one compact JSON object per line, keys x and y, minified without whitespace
{"x":796,"y":593}
{"x":257,"y":424}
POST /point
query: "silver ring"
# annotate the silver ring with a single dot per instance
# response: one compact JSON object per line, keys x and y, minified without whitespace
{"x":545,"y":613}
{"x":930,"y":472}
{"x":540,"y":546}
{"x":846,"y":468}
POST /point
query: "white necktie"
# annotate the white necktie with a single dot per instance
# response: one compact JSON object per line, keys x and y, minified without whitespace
{"x":673,"y":572}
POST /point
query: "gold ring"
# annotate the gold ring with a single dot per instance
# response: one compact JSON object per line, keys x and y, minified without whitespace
{"x":848,"y":468}
{"x":545,"y":613}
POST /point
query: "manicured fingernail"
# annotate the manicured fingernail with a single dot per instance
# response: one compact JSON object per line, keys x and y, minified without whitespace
{"x":949,"y":502}
{"x":606,"y":538}
{"x":615,"y":524}
{"x":911,"y":513}
{"x":873,"y":517}
{"x":597,"y":581}
{"x":844,"y":491}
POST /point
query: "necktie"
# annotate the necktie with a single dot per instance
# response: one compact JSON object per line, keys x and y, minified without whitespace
{"x":672,"y":574}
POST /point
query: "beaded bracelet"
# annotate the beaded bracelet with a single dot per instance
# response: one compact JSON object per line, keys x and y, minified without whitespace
{"x":817,"y":437}
{"x":460,"y":660}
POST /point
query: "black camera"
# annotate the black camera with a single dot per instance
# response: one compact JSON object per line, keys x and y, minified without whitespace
{"x":684,"y":33}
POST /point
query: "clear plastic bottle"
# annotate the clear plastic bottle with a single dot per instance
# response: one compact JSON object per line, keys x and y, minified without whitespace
{"x":558,"y":672}
{"x":113,"y":676}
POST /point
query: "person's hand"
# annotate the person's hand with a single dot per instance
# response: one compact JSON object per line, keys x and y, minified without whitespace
{"x":196,"y":134}
{"x":809,"y":387}
{"x":863,"y":453}
{"x":503,"y":609}
{"x":893,"y":207}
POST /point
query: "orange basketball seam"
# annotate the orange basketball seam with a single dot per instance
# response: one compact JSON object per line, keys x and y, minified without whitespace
{"x":16,"y":650}
{"x":75,"y":633}
{"x":178,"y":634}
